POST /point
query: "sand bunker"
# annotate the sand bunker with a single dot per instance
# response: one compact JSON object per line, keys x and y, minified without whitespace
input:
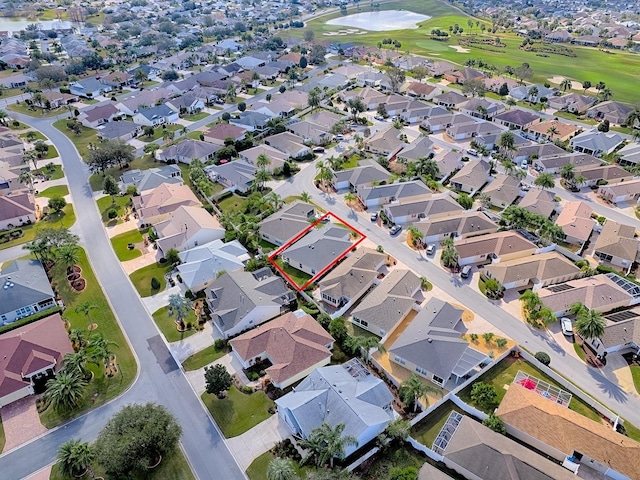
{"x":574,"y":85}
{"x":459,"y":49}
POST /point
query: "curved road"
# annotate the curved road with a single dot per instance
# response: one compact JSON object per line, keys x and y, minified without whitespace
{"x":160,"y":379}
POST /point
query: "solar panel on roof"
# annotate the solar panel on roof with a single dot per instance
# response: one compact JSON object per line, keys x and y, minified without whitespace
{"x":621,"y":316}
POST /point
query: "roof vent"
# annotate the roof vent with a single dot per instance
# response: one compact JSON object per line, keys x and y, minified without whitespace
{"x":429,"y":340}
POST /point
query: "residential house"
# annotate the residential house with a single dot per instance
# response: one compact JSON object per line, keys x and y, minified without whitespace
{"x":251,"y":121}
{"x":534,"y":271}
{"x":365,"y":175}
{"x":476,"y":452}
{"x":457,"y":225}
{"x":121,"y":130}
{"x":151,"y":178}
{"x":241,"y":300}
{"x":294,"y":343}
{"x":24,"y":290}
{"x":57,"y":99}
{"x":370,"y":97}
{"x":408,"y":212}
{"x":431,"y":345}
{"x":117,"y":79}
{"x":378,"y":195}
{"x":276,"y":158}
{"x":155,"y":116}
{"x":289,"y":144}
{"x":150,"y":71}
{"x":537,"y":152}
{"x":601,"y":293}
{"x":596,"y":174}
{"x":574,"y":437}
{"x":421,"y":148}
{"x":573,"y":103}
{"x":318,"y":249}
{"x":482,"y":108}
{"x":187,"y":227}
{"x":617,"y":244}
{"x":459,"y":76}
{"x":493,"y":248}
{"x":145,"y":99}
{"x":596,"y":143}
{"x":554,"y":164}
{"x":345,"y":394}
{"x":551,"y":130}
{"x":351,"y":278}
{"x":188,"y":150}
{"x":448,"y":162}
{"x":495,"y":84}
{"x":96,"y":116}
{"x":560,"y":36}
{"x":517,"y":119}
{"x":450,"y":99}
{"x":16,"y":208}
{"x":385,"y":142}
{"x":621,"y":192}
{"x":503,"y":190}
{"x":629,"y":155}
{"x":471,"y":177}
{"x":278,"y":107}
{"x":199,"y":266}
{"x":222,"y":132}
{"x":576,"y":222}
{"x":287,"y":222}
{"x":532,"y":93}
{"x":414,"y":112}
{"x":388,"y":303}
{"x":463,"y":129}
{"x":186,"y":104}
{"x":616,"y":112}
{"x":311,"y":133}
{"x":88,"y":88}
{"x":30,"y":355}
{"x":422,"y":90}
{"x":153,"y":206}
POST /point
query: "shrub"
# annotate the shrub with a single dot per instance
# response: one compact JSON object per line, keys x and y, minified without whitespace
{"x":543,"y":357}
{"x":155,"y":283}
{"x":189,"y":294}
{"x":112,"y":213}
{"x":495,"y":423}
{"x":484,"y":394}
{"x":220,"y":344}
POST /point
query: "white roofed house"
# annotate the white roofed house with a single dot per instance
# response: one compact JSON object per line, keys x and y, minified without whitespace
{"x":456,"y":225}
{"x":289,"y":144}
{"x":155,"y":116}
{"x":287,"y":222}
{"x":276,"y":157}
{"x":617,"y":244}
{"x":378,"y":195}
{"x":188,"y":150}
{"x":620,"y":192}
{"x":345,"y":394}
{"x":365,"y":175}
{"x":187,"y":227}
{"x":493,"y":248}
{"x":236,"y":176}
{"x":16,"y":208}
{"x":596,"y":143}
{"x":386,"y":142}
{"x":576,"y":222}
{"x":96,"y":116}
{"x":412,"y":211}
{"x":24,"y":290}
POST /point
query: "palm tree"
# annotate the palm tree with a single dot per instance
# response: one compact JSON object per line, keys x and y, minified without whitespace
{"x":355,"y":106}
{"x":633,"y":118}
{"x":590,"y":324}
{"x":3,"y":117}
{"x":413,"y":389}
{"x":281,"y":469}
{"x":30,"y":156}
{"x":531,"y":301}
{"x":325,"y":175}
{"x":99,"y":349}
{"x":75,"y":458}
{"x":167,"y":135}
{"x":76,"y":362}
{"x":579,"y":180}
{"x":350,"y":198}
{"x":325,"y":443}
{"x":532,"y":94}
{"x":507,"y":142}
{"x":577,"y":308}
{"x":450,"y":257}
{"x":553,"y":130}
{"x":566,"y":84}
{"x":77,"y":339}
{"x":605,"y":94}
{"x":545,"y":180}
{"x":26,"y":177}
{"x":361,"y":345}
{"x":39,"y":248}
{"x":68,"y":255}
{"x":65,"y":391}
{"x":416,"y":235}
{"x":568,"y":172}
{"x":274,"y":200}
{"x":305,"y":197}
{"x":86,"y":307}
{"x":261,"y":177}
{"x":485,"y":200}
{"x":262,"y":161}
{"x":180,"y":306}
{"x":427,"y":166}
{"x":314,"y":98}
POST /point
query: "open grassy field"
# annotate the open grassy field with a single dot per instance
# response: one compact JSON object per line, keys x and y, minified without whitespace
{"x":238,"y":412}
{"x":54,"y":174}
{"x":81,"y":140}
{"x":101,"y":389}
{"x":617,"y":69}
{"x":117,"y":202}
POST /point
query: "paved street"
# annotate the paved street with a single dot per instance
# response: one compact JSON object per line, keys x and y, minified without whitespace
{"x":160,"y":379}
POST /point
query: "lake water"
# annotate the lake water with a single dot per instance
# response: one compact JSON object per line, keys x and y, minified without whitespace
{"x":17,"y":24}
{"x":381,"y":21}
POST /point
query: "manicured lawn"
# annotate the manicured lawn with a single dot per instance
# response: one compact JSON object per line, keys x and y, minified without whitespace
{"x":101,"y":389}
{"x":267,"y":246}
{"x":174,"y":467}
{"x":167,"y":324}
{"x":580,"y":352}
{"x":352,"y":162}
{"x":2,"y":437}
{"x":38,"y":135}
{"x":195,"y":135}
{"x":120,"y":245}
{"x":258,"y":468}
{"x":18,"y":126}
{"x":81,"y":140}
{"x":34,"y":111}
{"x":238,"y":412}
{"x":55,"y":191}
{"x":141,"y":163}
{"x":294,"y":274}
{"x":157,"y":133}
{"x":53,"y":174}
{"x":233,"y":204}
{"x":503,"y":374}
{"x":66,"y":218}
{"x":635,"y":373}
{"x":117,"y":202}
{"x":141,"y":278}
{"x":203,"y":358}
{"x":427,"y":429}
{"x":196,"y":116}
{"x":51,"y":153}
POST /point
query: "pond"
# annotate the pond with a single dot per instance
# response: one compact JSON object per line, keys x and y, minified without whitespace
{"x":381,"y":21}
{"x":18,"y":24}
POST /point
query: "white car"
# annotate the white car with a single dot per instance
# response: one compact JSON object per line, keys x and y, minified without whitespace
{"x":431,"y":249}
{"x":567,"y":326}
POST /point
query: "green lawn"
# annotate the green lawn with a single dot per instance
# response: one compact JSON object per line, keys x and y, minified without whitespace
{"x":233,"y":204}
{"x":18,"y":126}
{"x":238,"y":412}
{"x":101,"y":389}
{"x":34,"y":111}
{"x":294,"y":274}
{"x":397,"y":457}
{"x":267,"y":246}
{"x":167,"y":324}
{"x":427,"y":429}
{"x":117,"y":202}
{"x":196,"y":116}
{"x":51,"y":153}
{"x":2,"y":437}
{"x":55,"y":191}
{"x":157,"y":133}
{"x":141,"y":278}
{"x":38,"y":135}
{"x":635,"y":373}
{"x":258,"y":468}
{"x":141,"y":163}
{"x":195,"y":135}
{"x":66,"y":218}
{"x":580,"y":352}
{"x":121,"y":245}
{"x":174,"y":467}
{"x":54,"y":174}
{"x":203,"y":358}
{"x":503,"y":374}
{"x":589,"y":64}
{"x":81,"y":140}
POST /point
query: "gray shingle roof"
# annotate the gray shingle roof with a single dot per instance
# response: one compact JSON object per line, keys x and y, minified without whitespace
{"x":22,"y":283}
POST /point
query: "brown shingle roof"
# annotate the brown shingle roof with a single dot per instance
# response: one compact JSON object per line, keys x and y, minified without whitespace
{"x":500,"y":243}
{"x":596,"y":293}
{"x":617,"y":239}
{"x":566,"y":430}
{"x":542,"y":267}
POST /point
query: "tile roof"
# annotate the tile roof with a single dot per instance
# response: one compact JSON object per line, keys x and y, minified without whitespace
{"x":575,"y":220}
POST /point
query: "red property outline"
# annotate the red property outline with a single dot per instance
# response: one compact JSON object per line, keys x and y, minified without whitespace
{"x":325,"y":269}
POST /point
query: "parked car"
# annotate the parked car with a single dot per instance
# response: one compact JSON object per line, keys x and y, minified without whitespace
{"x":466,"y":271}
{"x":318,"y":150}
{"x":395,"y":230}
{"x":525,"y":187}
{"x":374,"y":216}
{"x":524,"y":164}
{"x":472,"y":151}
{"x":567,"y":327}
{"x":380,"y":118}
{"x":431,"y":249}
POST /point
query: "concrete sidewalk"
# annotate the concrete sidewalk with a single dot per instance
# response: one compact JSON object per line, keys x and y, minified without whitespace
{"x":261,"y":438}
{"x":159,"y":300}
{"x":183,"y":349}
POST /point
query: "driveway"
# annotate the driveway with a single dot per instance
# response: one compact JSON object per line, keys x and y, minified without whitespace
{"x":183,"y":349}
{"x":258,"y":440}
{"x":21,"y":422}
